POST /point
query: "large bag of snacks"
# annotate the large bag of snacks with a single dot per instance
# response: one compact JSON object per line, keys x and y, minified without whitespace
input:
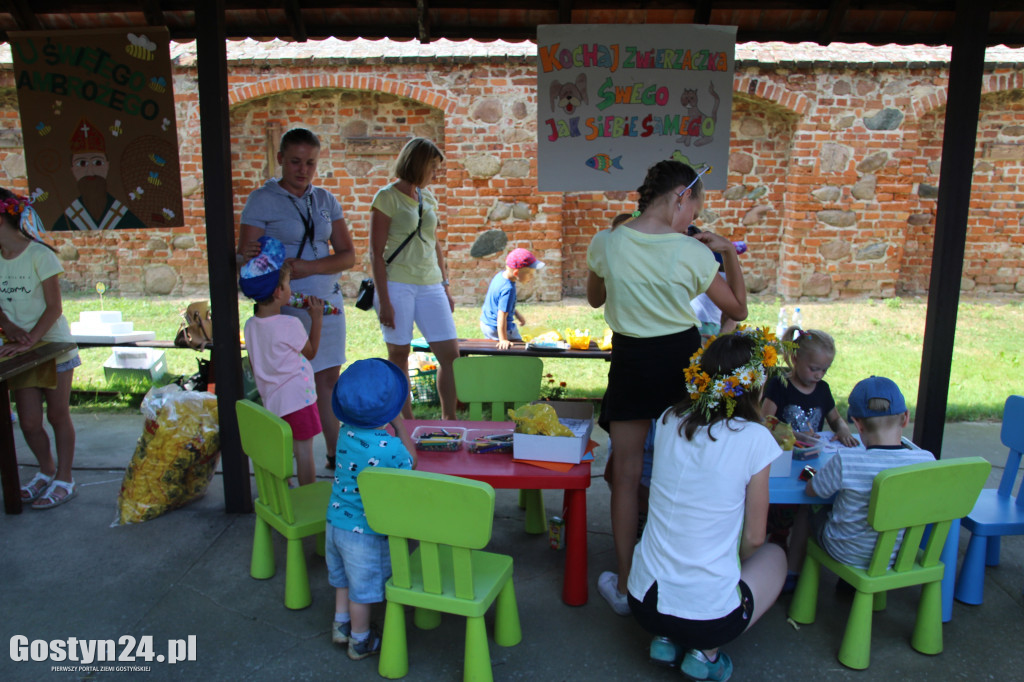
{"x":175,"y":456}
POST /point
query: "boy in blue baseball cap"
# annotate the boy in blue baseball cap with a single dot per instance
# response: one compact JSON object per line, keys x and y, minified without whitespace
{"x":368,"y":396}
{"x":280,"y":350}
{"x":879,"y":411}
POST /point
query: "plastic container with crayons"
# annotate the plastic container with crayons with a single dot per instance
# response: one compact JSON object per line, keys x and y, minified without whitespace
{"x":483,"y":441}
{"x":437,"y":439}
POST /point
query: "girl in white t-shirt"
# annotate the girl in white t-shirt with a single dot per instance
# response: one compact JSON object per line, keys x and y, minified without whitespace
{"x":702,"y":573}
{"x":30,"y":313}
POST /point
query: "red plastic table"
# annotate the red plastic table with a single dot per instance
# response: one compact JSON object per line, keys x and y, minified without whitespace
{"x":503,"y":472}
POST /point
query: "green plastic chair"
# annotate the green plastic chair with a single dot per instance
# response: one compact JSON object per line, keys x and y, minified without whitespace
{"x":911,"y":498}
{"x":295,"y":513}
{"x":451,"y":518}
{"x":503,"y":381}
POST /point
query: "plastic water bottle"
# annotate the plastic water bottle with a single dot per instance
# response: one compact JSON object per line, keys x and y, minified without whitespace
{"x":780,"y":327}
{"x":797,"y":320}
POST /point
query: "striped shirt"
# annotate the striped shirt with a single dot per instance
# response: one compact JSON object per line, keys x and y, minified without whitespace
{"x":849,"y":475}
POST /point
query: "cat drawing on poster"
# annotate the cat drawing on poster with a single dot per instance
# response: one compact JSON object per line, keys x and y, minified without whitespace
{"x":701,"y":125}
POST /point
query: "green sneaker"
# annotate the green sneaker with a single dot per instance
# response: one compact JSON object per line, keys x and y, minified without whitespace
{"x":664,"y":652}
{"x":340,"y":632}
{"x":697,"y":667}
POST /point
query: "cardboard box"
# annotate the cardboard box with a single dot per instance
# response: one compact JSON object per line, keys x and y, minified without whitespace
{"x":146,"y":364}
{"x":558,"y":448}
{"x":782,"y":466}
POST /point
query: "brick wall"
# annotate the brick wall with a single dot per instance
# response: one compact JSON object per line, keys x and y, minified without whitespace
{"x":832,"y":177}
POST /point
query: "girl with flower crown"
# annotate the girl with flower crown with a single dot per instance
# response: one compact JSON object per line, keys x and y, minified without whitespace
{"x":645,"y":272}
{"x":702,"y":573}
{"x":30,"y":313}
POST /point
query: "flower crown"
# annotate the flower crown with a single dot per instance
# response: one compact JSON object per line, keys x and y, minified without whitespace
{"x":708,"y":392}
{"x":15,"y":205}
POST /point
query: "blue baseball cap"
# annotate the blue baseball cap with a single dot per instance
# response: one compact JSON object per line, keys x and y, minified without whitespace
{"x":259,"y":277}
{"x":871,"y":388}
{"x":369,"y":393}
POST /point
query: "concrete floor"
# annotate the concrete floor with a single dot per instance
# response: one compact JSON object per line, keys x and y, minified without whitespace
{"x":67,"y":573}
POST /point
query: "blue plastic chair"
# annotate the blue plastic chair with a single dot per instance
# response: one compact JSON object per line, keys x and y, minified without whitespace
{"x":998,"y":511}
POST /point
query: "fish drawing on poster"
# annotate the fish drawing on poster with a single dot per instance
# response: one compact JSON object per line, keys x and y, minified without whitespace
{"x":615,"y":99}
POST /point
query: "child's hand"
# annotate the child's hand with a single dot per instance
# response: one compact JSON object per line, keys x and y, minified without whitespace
{"x":16,"y":334}
{"x":715,"y":242}
{"x":504,"y":344}
{"x":251,"y":250}
{"x":316,"y":308}
{"x":844,"y":436}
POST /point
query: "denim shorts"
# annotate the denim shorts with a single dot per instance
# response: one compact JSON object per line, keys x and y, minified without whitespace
{"x":492,"y":332}
{"x":70,"y":364}
{"x":358,"y":561}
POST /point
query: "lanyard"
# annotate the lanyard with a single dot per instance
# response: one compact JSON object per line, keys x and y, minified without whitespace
{"x":307,"y":225}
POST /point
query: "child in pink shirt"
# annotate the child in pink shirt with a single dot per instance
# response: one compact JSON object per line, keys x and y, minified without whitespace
{"x":280,"y":351}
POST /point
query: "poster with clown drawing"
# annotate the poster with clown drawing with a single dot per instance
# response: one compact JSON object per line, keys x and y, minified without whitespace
{"x":98,"y":122}
{"x":614,"y":99}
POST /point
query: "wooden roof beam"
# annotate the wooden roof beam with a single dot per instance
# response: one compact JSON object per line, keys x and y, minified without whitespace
{"x":296,"y":26}
{"x":565,"y":11}
{"x":154,"y":15}
{"x":702,"y":12}
{"x":423,"y":20}
{"x":833,"y":21}
{"x":23,"y":14}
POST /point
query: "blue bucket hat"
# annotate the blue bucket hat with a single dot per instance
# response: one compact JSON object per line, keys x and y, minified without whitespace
{"x":369,"y":393}
{"x":875,"y":387}
{"x":259,"y":277}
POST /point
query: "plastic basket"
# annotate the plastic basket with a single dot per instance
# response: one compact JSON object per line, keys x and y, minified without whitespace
{"x":423,"y":386}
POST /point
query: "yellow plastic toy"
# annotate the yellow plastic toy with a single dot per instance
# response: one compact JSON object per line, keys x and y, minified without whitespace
{"x":579,"y":339}
{"x":538,"y":419}
{"x":606,"y":342}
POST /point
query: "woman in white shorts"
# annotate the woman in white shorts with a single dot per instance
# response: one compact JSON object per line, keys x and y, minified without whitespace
{"x":413,"y":287}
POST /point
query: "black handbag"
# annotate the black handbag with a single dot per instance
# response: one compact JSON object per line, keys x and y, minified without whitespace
{"x":364,"y":299}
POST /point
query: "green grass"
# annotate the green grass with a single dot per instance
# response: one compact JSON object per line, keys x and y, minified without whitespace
{"x":872,"y":337}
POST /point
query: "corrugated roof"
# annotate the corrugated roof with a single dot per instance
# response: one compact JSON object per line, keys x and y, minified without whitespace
{"x":877,"y":22}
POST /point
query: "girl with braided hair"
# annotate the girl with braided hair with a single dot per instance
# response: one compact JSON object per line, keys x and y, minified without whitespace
{"x":645,"y":272}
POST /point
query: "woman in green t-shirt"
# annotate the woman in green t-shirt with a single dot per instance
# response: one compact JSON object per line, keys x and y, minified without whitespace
{"x":409,"y":270}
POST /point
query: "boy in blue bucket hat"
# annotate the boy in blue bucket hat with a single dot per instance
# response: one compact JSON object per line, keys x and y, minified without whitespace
{"x":369,"y":395}
{"x":280,"y":350}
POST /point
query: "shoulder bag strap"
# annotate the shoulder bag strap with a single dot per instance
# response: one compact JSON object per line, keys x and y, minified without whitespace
{"x":307,"y":224}
{"x":412,"y":234}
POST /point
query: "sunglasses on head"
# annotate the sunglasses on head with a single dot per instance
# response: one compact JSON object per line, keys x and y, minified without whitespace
{"x":702,"y":171}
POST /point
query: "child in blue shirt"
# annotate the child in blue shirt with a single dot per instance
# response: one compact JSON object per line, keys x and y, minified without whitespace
{"x":368,"y":396}
{"x":498,"y":316}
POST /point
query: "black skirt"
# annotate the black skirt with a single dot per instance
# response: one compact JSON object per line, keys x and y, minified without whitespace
{"x":646,"y":375}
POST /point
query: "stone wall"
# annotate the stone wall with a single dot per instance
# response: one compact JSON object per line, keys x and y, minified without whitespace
{"x":832,"y":179}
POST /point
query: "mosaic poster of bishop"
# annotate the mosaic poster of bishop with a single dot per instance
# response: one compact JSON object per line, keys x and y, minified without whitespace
{"x":97,"y":117}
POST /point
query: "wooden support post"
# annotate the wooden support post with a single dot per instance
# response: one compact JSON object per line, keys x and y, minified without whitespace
{"x":215,"y":129}
{"x":959,"y":136}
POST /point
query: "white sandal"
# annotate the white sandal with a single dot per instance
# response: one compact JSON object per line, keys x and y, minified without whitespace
{"x":50,"y":500}
{"x":39,"y":484}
